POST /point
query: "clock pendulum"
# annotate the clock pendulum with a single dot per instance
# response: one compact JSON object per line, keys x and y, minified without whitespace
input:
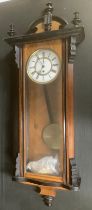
{"x":52,"y":132}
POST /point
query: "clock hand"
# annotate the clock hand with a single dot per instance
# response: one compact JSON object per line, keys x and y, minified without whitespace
{"x":43,"y":58}
{"x":39,"y":59}
{"x":41,"y":70}
{"x":41,"y":62}
{"x":38,"y":72}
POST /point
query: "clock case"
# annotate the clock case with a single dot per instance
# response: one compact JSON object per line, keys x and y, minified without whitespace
{"x":46,"y":28}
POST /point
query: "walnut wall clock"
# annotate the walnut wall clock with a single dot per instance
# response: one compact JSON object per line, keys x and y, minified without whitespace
{"x":45,"y":56}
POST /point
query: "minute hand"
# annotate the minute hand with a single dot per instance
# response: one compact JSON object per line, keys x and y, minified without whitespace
{"x":39,"y":59}
{"x":43,"y":59}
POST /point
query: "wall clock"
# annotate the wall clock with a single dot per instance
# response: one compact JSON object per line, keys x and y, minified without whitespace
{"x":45,"y":57}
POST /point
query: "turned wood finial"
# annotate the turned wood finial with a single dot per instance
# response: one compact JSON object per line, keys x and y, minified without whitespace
{"x":48,"y":200}
{"x":76,"y":21}
{"x":11,"y":31}
{"x":48,"y":16}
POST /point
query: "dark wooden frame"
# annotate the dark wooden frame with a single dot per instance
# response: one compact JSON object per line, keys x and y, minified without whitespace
{"x":64,"y":33}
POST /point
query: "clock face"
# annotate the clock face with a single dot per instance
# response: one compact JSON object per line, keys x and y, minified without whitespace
{"x":43,"y":66}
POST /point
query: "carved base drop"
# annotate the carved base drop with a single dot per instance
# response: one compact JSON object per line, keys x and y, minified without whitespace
{"x":48,"y":200}
{"x":75,"y":178}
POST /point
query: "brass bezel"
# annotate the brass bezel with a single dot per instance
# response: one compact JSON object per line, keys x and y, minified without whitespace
{"x":59,"y":68}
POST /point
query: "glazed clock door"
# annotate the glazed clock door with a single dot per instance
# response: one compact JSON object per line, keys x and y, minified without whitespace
{"x":43,"y":71}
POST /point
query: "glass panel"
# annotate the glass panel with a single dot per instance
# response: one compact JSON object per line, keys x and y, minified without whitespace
{"x":43,"y":109}
{"x":44,"y":127}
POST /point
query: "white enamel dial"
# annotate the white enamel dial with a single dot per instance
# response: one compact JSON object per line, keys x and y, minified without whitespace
{"x":43,"y":66}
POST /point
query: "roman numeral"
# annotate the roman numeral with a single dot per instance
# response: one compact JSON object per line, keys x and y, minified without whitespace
{"x":33,"y":72}
{"x":43,"y":53}
{"x":31,"y":67}
{"x":49,"y":55}
{"x":37,"y":76}
{"x":43,"y":77}
{"x":37,"y":57}
{"x":53,"y":58}
{"x":49,"y":76}
{"x":56,"y":64}
{"x":53,"y":70}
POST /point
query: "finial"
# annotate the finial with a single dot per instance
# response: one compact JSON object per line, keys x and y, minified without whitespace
{"x":11,"y":32}
{"x":48,"y":200}
{"x":76,"y":21}
{"x":49,"y":5}
{"x":48,"y":16}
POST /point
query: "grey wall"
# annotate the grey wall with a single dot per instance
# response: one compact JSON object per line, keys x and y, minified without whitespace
{"x":13,"y":195}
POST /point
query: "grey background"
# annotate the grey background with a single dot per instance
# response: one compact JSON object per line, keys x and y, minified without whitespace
{"x":16,"y":196}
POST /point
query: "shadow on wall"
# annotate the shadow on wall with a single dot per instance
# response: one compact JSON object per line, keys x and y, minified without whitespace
{"x":9,"y":113}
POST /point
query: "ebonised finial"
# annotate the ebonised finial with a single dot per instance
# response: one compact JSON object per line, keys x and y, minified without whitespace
{"x":76,"y":21}
{"x":48,"y":200}
{"x":11,"y":31}
{"x":48,"y":16}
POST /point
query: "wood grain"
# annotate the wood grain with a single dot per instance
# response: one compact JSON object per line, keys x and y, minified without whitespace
{"x":55,"y":26}
{"x":44,"y":177}
{"x":69,"y":117}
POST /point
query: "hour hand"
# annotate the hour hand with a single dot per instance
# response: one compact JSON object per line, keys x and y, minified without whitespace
{"x":39,"y":60}
{"x":43,"y":57}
